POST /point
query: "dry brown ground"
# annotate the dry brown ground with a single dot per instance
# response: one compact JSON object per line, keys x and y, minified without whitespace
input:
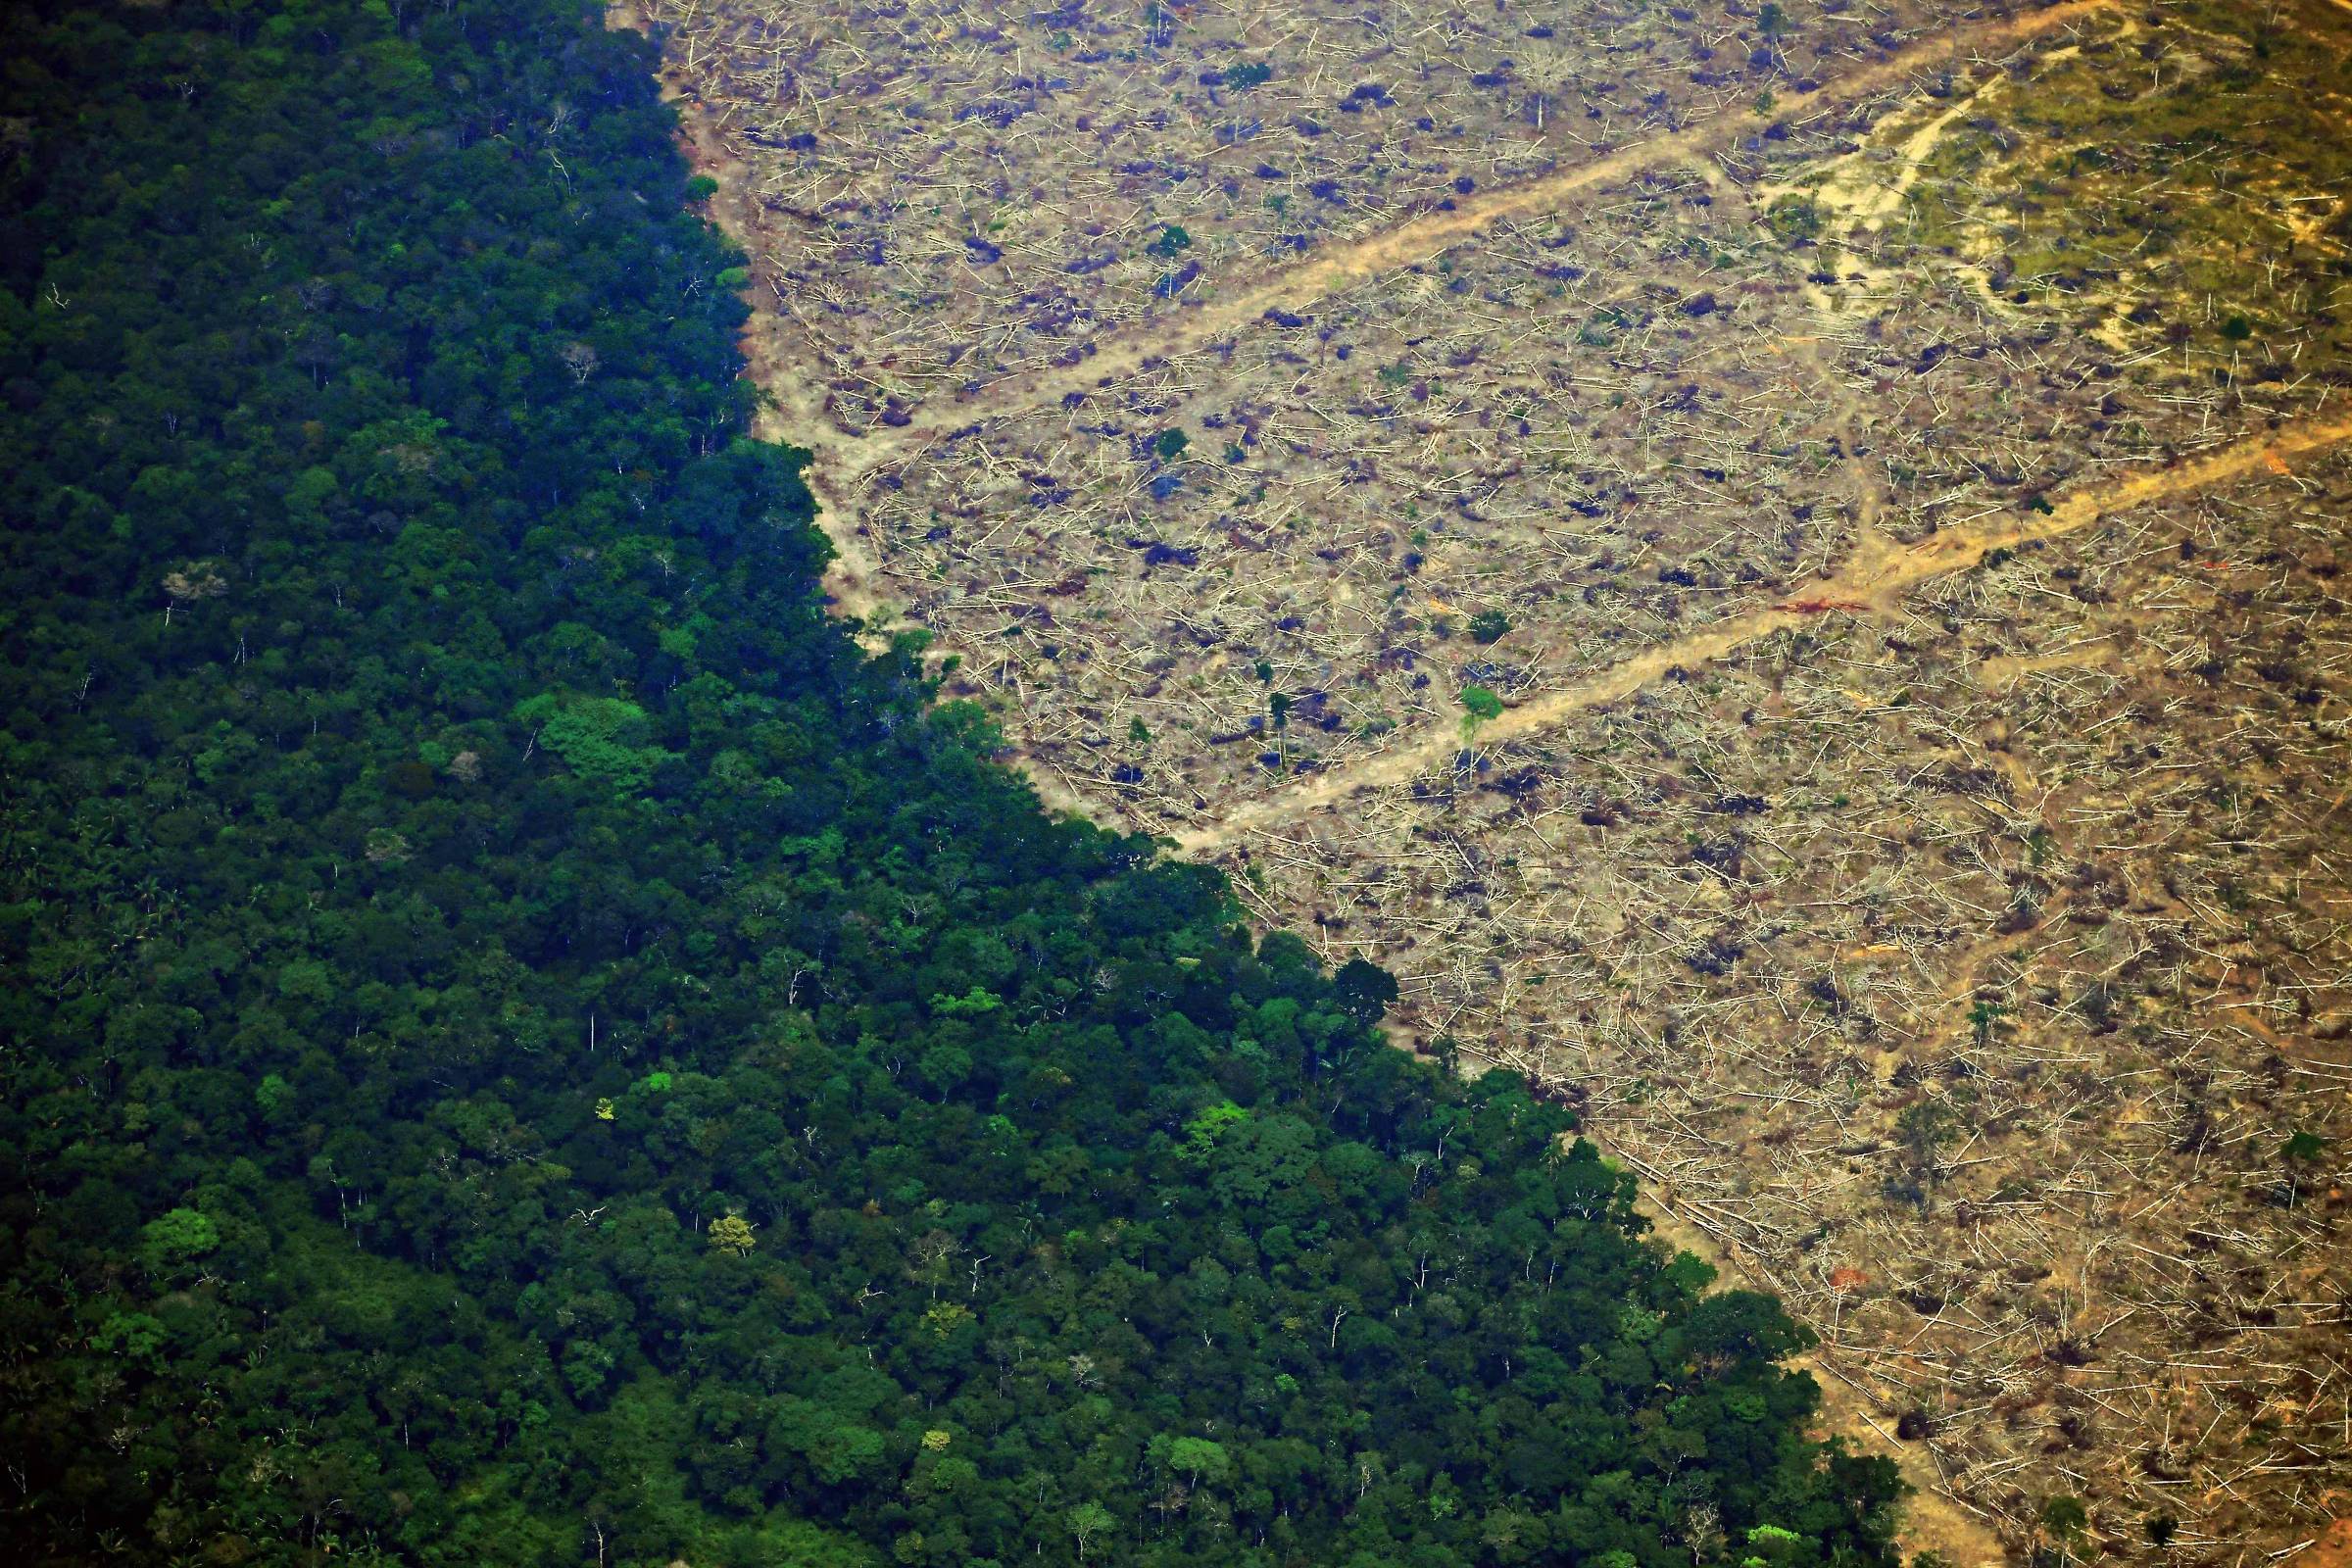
{"x":1911,"y":464}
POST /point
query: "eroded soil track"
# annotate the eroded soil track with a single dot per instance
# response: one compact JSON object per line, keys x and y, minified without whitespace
{"x":1871,"y":584}
{"x":1336,"y":267}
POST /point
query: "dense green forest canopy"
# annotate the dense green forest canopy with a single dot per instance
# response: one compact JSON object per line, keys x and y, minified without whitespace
{"x":522,"y":1045}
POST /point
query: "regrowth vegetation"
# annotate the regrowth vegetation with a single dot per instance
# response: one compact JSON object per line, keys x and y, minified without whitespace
{"x":524,"y":1045}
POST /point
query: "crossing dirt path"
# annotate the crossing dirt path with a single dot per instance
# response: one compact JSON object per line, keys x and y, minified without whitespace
{"x":1872,"y":583}
{"x":1335,"y":267}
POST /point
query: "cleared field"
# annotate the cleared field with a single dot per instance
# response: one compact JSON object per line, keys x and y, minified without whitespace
{"x":1780,"y":565}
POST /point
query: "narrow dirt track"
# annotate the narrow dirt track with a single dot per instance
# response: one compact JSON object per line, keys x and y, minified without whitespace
{"x":1872,"y":584}
{"x":839,"y":470}
{"x":1122,"y":352}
